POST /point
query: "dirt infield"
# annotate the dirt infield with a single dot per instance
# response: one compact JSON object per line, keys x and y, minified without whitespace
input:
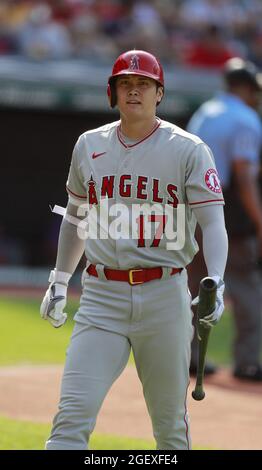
{"x":228,"y":418}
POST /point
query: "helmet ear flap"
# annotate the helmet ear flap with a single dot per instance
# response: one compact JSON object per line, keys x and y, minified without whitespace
{"x":111,"y":93}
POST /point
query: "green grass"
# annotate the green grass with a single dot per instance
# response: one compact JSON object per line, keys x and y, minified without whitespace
{"x":27,"y":339}
{"x":220,"y":341}
{"x":24,"y":435}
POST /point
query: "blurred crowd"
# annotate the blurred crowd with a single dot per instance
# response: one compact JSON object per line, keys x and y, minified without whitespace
{"x":189,"y":32}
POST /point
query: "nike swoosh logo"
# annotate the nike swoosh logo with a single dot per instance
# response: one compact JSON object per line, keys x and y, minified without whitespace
{"x":95,"y":155}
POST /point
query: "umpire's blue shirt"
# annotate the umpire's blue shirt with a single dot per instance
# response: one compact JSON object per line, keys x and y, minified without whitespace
{"x":231,"y":129}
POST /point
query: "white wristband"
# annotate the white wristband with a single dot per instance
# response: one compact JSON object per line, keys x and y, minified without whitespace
{"x":59,"y":276}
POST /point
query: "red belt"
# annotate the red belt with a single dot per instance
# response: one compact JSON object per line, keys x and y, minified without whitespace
{"x":132,"y":276}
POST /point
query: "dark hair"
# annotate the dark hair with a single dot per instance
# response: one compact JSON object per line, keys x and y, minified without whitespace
{"x":239,"y":72}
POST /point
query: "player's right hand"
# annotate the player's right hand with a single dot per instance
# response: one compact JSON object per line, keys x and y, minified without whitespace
{"x":54,"y":301}
{"x":53,"y":305}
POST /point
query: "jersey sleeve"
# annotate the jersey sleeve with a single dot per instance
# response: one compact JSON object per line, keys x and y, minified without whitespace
{"x":75,"y":184}
{"x":202,"y":183}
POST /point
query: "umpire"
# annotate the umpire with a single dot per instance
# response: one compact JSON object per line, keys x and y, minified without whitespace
{"x":231,"y":127}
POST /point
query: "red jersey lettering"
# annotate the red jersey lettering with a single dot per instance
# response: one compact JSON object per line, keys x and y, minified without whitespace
{"x":125,"y":188}
{"x":156,"y":197}
{"x":107,"y":188}
{"x":172,"y":189}
{"x":141,"y":187}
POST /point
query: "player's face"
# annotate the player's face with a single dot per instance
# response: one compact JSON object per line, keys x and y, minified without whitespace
{"x":137,"y":96}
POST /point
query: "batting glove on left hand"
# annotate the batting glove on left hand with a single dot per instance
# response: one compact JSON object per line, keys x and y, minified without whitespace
{"x":214,"y":317}
{"x":54,"y":301}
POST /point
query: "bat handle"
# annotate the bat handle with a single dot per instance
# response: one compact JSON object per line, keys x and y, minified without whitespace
{"x":207,"y":299}
{"x":198,"y":394}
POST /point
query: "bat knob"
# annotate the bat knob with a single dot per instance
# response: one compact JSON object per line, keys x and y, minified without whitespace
{"x":198,"y":395}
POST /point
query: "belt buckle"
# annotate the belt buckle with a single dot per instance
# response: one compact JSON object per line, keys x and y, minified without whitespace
{"x":131,"y":280}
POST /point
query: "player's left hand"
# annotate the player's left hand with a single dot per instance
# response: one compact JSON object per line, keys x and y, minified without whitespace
{"x":214,"y":317}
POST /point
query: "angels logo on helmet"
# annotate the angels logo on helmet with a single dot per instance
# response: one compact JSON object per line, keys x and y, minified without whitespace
{"x":134,"y":62}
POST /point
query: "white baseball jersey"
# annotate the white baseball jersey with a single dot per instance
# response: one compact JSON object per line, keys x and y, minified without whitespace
{"x":168,"y":167}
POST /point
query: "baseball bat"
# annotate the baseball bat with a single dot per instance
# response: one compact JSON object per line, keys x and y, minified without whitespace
{"x":206,"y":305}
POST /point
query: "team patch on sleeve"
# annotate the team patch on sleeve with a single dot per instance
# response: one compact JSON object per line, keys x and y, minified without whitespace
{"x":212,"y":181}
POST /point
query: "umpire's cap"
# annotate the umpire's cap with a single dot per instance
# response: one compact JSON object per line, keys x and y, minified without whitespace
{"x":240,"y":72}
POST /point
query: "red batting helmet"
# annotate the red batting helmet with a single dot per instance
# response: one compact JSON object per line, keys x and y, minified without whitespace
{"x":134,"y":63}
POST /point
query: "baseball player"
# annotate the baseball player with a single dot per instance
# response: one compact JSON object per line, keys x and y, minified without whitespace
{"x":135,"y":292}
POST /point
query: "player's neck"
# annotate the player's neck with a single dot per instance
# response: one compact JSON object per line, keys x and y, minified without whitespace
{"x":137,"y":130}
